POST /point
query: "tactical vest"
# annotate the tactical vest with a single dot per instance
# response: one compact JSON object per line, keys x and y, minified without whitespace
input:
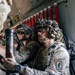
{"x":44,"y":57}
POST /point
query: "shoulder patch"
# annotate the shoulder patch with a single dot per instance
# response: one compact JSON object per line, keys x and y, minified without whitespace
{"x":59,"y":65}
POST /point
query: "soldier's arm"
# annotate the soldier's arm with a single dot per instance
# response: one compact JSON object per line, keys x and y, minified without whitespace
{"x":31,"y":71}
{"x":11,"y":65}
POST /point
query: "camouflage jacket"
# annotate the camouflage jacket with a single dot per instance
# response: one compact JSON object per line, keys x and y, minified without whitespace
{"x":27,"y":53}
{"x":50,"y":61}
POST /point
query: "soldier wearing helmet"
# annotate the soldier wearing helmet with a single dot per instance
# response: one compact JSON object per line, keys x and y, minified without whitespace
{"x":52,"y":58}
{"x":23,"y":34}
{"x":53,"y":31}
{"x":28,"y":50}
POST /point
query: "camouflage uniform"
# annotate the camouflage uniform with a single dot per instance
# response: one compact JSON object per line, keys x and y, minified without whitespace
{"x":55,"y":58}
{"x":27,"y":52}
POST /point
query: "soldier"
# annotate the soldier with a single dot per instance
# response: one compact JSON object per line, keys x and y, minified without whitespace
{"x":52,"y":59}
{"x":23,"y":36}
{"x":28,"y":48}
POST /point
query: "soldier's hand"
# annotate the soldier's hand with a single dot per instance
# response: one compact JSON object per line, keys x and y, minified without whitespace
{"x":9,"y":64}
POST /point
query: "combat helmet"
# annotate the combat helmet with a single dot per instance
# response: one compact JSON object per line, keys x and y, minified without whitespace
{"x":25,"y":28}
{"x":52,"y":28}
